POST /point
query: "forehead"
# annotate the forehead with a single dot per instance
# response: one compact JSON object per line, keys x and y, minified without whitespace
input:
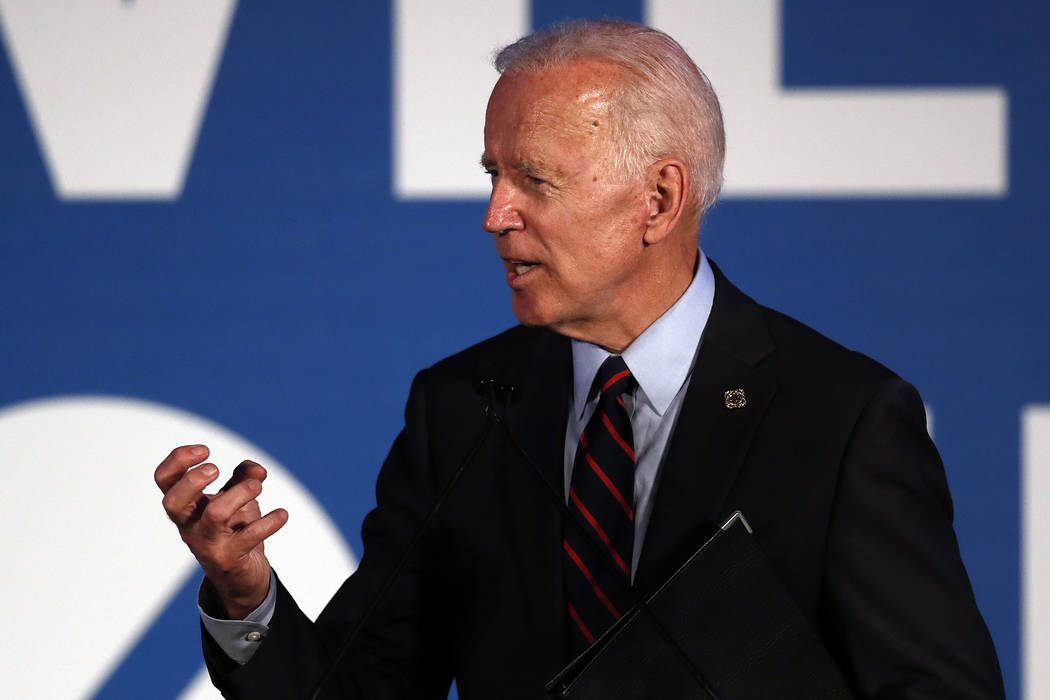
{"x":571,"y":101}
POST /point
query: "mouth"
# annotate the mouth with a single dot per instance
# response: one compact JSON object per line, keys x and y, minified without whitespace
{"x":517,"y":269}
{"x":520,"y":267}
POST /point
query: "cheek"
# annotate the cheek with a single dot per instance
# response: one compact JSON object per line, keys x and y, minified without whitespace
{"x":618,"y":241}
{"x":600,"y":266}
{"x":596,"y":242}
{"x":621,"y":218}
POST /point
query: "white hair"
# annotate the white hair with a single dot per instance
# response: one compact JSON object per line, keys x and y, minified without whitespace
{"x":667,"y":109}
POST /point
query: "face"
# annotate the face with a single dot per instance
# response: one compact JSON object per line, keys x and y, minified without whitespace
{"x":568,"y":228}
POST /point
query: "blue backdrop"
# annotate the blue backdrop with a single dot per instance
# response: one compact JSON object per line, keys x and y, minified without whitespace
{"x":287,"y":294}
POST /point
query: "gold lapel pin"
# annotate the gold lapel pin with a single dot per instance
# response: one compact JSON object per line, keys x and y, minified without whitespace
{"x":736,"y":398}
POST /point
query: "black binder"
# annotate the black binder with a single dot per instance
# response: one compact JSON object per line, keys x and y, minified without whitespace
{"x":721,"y":628}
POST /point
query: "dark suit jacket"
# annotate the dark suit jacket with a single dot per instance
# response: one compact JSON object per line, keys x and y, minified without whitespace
{"x":829,"y":460}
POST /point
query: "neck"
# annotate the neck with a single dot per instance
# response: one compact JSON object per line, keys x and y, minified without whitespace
{"x":616,"y":333}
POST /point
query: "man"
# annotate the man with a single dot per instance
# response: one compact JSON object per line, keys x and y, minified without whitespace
{"x":604,"y":143}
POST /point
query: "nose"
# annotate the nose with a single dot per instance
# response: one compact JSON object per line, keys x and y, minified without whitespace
{"x":503,"y":214}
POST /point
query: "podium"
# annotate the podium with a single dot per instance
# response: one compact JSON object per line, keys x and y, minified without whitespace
{"x":721,"y":628}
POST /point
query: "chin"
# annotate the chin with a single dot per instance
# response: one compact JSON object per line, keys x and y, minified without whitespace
{"x":529,"y":313}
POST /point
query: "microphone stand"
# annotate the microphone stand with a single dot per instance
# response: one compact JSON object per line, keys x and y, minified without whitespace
{"x":493,"y":417}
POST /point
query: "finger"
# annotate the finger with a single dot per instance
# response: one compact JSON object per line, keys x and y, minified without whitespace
{"x":245,"y":470}
{"x":248,"y":513}
{"x":225,"y":505}
{"x":181,"y":500}
{"x":253,"y":535}
{"x":176,"y":463}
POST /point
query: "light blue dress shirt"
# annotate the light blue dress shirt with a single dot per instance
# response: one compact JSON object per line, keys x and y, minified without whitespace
{"x":661,"y":360}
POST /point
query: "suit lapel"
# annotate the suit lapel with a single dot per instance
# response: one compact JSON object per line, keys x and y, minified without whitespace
{"x":710,"y":440}
{"x":536,"y":422}
{"x":538,"y":415}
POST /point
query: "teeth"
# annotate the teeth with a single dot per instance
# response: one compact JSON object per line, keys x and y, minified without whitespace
{"x":522,"y":268}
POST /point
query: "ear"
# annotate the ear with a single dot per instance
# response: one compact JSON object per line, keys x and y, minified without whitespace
{"x":667,"y":184}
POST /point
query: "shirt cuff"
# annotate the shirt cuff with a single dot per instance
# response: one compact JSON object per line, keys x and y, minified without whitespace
{"x":238,"y":638}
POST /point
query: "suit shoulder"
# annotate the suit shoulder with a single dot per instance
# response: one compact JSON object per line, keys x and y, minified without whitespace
{"x":812,"y":353}
{"x":778,"y":344}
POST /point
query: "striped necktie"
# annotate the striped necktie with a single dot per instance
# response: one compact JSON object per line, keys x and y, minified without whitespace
{"x":598,"y":555}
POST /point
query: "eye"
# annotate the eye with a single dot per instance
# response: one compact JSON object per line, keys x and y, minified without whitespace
{"x":535,"y":180}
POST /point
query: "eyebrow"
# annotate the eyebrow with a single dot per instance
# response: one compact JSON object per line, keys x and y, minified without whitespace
{"x":527,"y":167}
{"x":531,"y":168}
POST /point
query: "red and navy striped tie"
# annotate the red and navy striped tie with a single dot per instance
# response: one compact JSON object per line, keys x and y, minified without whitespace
{"x":598,"y":554}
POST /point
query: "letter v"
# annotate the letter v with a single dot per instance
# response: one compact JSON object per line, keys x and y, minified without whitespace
{"x":116,"y":91}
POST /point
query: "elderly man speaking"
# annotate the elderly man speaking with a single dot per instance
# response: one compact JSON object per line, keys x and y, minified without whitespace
{"x":642,"y":395}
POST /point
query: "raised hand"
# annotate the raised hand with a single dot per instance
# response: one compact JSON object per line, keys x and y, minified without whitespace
{"x":224,"y":531}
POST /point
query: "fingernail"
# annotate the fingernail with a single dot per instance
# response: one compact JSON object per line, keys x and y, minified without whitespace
{"x":199,"y":450}
{"x":209,"y":470}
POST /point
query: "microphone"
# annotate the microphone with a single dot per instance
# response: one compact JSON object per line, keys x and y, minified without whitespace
{"x":498,"y":387}
{"x":499,"y":394}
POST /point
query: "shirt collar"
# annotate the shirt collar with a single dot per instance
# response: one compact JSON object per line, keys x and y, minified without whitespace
{"x":662,"y":356}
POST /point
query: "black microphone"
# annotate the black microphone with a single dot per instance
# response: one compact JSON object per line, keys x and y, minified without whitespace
{"x":499,"y":389}
{"x":499,"y":394}
{"x":499,"y":386}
